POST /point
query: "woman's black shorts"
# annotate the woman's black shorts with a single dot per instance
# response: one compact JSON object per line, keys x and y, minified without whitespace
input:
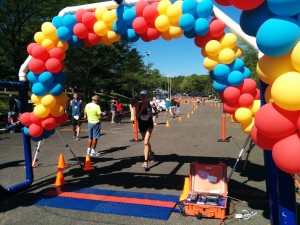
{"x":145,"y":125}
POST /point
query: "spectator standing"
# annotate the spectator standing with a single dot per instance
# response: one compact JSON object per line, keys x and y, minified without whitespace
{"x":113,"y":110}
{"x":119,"y":112}
{"x":173,"y":107}
{"x":12,"y":104}
{"x":145,"y":123}
{"x":168,"y":107}
{"x":13,"y":123}
{"x":92,"y":112}
{"x":154,"y":110}
{"x":76,"y":106}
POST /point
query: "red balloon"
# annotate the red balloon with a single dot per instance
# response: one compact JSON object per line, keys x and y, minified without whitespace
{"x":53,"y":65}
{"x":37,"y":66}
{"x":63,"y":119}
{"x":79,"y":14}
{"x":150,"y":14}
{"x":93,"y":38}
{"x":39,"y":52}
{"x":223,"y":2}
{"x":139,"y":7}
{"x":256,"y":94}
{"x":145,"y":38}
{"x":57,"y":53}
{"x":275,"y":122}
{"x":152,"y":33}
{"x":246,"y":4}
{"x":35,"y":130}
{"x":49,"y":123}
{"x":229,"y":109}
{"x":216,"y":28}
{"x":201,"y":41}
{"x":80,"y":31}
{"x":286,"y":154}
{"x":30,"y":47}
{"x":248,"y":86}
{"x":89,"y":19}
{"x":35,"y":119}
{"x":246,"y":100}
{"x":25,"y":119}
{"x":140,"y":25}
{"x":261,"y":140}
{"x":231,"y":94}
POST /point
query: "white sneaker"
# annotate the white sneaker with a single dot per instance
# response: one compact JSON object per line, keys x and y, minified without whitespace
{"x":88,"y":152}
{"x":94,"y":154}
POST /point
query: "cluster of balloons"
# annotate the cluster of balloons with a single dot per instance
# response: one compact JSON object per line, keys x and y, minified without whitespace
{"x":277,"y":32}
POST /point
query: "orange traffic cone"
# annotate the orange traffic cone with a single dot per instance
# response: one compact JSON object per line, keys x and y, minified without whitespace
{"x":88,"y":163}
{"x":168,"y":123}
{"x":180,"y":118}
{"x":231,"y":119}
{"x":61,"y":162}
{"x":60,"y":180}
{"x":188,"y":115}
{"x":192,"y":112}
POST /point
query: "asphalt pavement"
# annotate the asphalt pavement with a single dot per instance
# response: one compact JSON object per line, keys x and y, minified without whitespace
{"x":196,"y":137}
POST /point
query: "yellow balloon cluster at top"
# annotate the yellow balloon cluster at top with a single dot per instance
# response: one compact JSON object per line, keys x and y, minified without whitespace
{"x":224,"y":51}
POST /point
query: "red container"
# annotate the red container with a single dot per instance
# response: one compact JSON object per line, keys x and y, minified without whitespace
{"x":208,"y":191}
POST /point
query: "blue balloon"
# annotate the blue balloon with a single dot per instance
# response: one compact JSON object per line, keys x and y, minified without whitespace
{"x":63,"y":33}
{"x":130,"y":35}
{"x":237,"y":64}
{"x":201,"y":26}
{"x":57,"y":21}
{"x":189,"y":34}
{"x":39,"y":89}
{"x":120,"y":27}
{"x":221,"y":72}
{"x":204,"y":8}
{"x":60,"y":77}
{"x":32,"y":78}
{"x":56,"y":90}
{"x":69,"y":21}
{"x":47,"y":133}
{"x":37,"y":139}
{"x":189,"y":6}
{"x":278,"y":36}
{"x":26,"y":131}
{"x":46,"y":78}
{"x":251,"y":20}
{"x":219,"y":87}
{"x":74,"y":42}
{"x":119,"y":11}
{"x":187,"y":22}
{"x":129,"y":15}
{"x":235,"y":78}
{"x":246,"y":72}
{"x":284,"y":8}
{"x":212,"y":75}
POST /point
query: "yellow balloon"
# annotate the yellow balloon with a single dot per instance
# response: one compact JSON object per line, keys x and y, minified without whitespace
{"x":174,"y":13}
{"x":166,"y":36}
{"x":238,"y":52}
{"x":100,"y":28}
{"x":62,"y":99}
{"x":213,"y":48}
{"x":49,"y":30}
{"x":246,"y":127}
{"x":36,"y":99}
{"x":295,"y":57}
{"x":63,"y":45}
{"x":203,"y":52}
{"x":268,"y":96}
{"x":243,"y":115}
{"x":57,"y":110}
{"x":269,"y":68}
{"x":163,"y":6}
{"x":48,"y":44}
{"x":39,"y":37}
{"x":175,"y":32}
{"x":112,"y":36}
{"x":228,"y":40}
{"x":48,"y":101}
{"x":162,"y":23}
{"x":178,"y":4}
{"x":255,"y":107}
{"x":100,"y":11}
{"x":210,"y":63}
{"x":109,"y":18}
{"x":226,"y":56}
{"x":285,"y":91}
{"x":41,"y":111}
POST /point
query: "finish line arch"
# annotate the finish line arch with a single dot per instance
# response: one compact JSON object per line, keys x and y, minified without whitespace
{"x":276,"y":123}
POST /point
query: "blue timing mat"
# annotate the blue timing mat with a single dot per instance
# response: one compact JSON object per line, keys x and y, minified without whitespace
{"x":146,"y":205}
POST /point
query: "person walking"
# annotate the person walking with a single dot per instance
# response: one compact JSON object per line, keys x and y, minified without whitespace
{"x":154,"y":111}
{"x":119,"y":108}
{"x":76,"y":106}
{"x":145,"y":123}
{"x":92,"y":112}
{"x":168,"y":107}
{"x":113,"y":110}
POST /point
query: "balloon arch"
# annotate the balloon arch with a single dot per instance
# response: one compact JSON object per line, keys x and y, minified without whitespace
{"x":272,"y":118}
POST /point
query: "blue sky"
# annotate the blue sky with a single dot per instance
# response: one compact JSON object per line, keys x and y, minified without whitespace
{"x":178,"y":56}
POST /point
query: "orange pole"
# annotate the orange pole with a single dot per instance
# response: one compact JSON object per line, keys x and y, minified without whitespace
{"x":223,"y":126}
{"x":136,"y":135}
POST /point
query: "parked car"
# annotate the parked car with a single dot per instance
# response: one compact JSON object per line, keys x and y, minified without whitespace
{"x":161,"y":106}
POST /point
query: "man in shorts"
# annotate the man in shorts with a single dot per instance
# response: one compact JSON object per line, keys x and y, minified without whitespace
{"x":76,"y":106}
{"x":92,"y":113}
